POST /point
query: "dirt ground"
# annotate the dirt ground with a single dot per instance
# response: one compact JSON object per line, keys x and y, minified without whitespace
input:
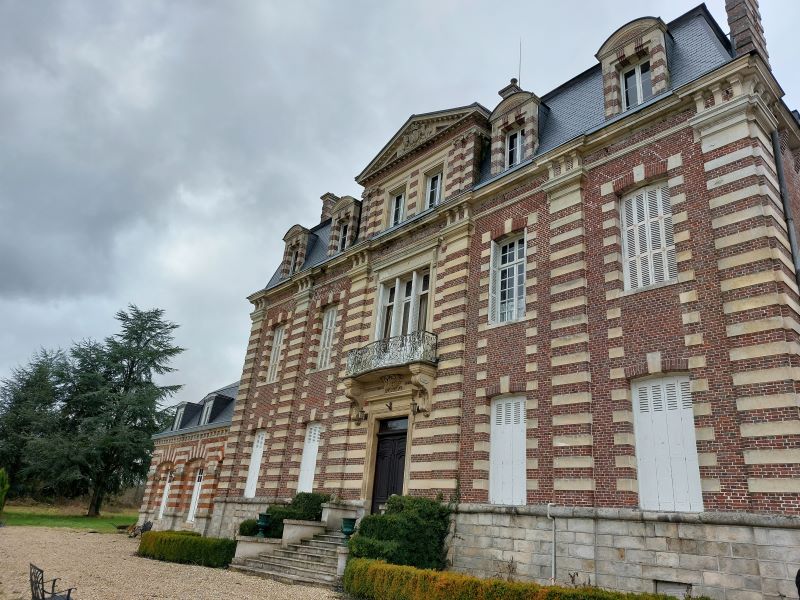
{"x":104,"y":567}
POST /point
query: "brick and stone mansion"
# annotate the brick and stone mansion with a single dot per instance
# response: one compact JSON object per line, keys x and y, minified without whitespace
{"x":575,"y":315}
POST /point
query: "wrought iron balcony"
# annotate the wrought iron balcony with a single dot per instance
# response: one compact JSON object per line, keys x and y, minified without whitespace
{"x":419,"y":346}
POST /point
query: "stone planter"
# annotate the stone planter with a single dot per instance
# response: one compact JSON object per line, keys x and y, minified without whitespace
{"x":332,"y":514}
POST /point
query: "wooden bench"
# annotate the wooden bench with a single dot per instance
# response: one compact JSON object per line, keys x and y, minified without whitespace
{"x":38,"y":591}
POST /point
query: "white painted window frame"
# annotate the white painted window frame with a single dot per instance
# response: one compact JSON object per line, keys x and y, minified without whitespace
{"x":165,"y":493}
{"x":205,"y":416}
{"x":275,"y":354}
{"x":666,"y":445}
{"x":508,"y":480}
{"x":308,"y":462}
{"x":254,"y":468}
{"x":645,"y":216}
{"x":496,"y":315}
{"x":326,"y":337}
{"x":342,"y":242}
{"x":198,"y":486}
{"x":416,"y":278}
{"x":517,"y":146}
{"x":176,"y":422}
{"x":438,"y":176}
{"x":397,"y":208}
{"x":295,"y":258}
{"x":637,"y":69}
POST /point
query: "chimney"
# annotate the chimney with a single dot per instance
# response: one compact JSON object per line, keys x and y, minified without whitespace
{"x":747,"y":33}
{"x":511,"y":88}
{"x":328,"y":200}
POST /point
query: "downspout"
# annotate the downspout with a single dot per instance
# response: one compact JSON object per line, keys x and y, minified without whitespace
{"x":553,"y":544}
{"x":787,"y":207}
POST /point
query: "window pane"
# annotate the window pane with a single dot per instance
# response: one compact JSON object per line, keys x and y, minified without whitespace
{"x":631,"y":97}
{"x":422,"y":319}
{"x":647,"y":86}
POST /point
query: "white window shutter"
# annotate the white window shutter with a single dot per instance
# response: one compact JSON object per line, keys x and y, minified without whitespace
{"x":666,"y":447}
{"x":308,"y":464}
{"x":494,"y":274}
{"x":255,"y":464}
{"x":507,"y":452}
{"x":326,"y":338}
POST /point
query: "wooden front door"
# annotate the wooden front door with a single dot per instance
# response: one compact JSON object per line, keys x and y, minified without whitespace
{"x":390,"y":461}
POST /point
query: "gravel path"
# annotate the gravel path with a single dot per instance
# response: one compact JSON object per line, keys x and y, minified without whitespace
{"x":103,"y":567}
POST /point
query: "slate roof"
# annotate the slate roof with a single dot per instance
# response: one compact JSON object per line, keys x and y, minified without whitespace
{"x":695,"y":47}
{"x":221,"y":414}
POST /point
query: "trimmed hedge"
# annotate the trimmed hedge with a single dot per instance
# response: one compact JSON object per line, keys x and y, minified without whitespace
{"x":376,"y":580}
{"x":187,"y":547}
{"x":411,"y":532}
{"x":305,"y":506}
{"x":248,"y":527}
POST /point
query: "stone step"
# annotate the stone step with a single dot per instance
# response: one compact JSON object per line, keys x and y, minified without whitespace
{"x":329,"y":538}
{"x":314,"y":543}
{"x":293,"y":569}
{"x":305,"y":556}
{"x":296,"y":562}
{"x":282,"y":577}
{"x":312,"y":550}
{"x":333,"y":535}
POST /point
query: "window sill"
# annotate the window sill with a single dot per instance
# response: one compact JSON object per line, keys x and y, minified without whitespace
{"x":514,"y":322}
{"x":323,"y":369}
{"x":647,"y":288}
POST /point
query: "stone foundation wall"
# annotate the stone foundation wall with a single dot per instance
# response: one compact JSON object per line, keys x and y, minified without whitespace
{"x":725,"y":556}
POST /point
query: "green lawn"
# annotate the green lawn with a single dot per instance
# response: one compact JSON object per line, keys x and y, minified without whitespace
{"x":39,"y":516}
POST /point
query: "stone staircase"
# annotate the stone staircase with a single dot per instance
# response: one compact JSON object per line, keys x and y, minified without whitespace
{"x":311,"y":562}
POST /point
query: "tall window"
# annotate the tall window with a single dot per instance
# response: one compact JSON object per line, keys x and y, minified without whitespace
{"x":433,"y":190}
{"x":206,"y":414}
{"x":255,"y":464}
{"x":666,"y":449}
{"x":507,"y":445}
{"x":514,"y":150}
{"x":636,"y":86}
{"x":342,"y":244}
{"x":326,"y":339}
{"x":308,"y":463}
{"x":275,"y":354}
{"x":176,"y":424}
{"x":648,"y":243}
{"x":294,"y":261}
{"x":507,"y":281}
{"x":198,"y":485}
{"x":170,"y":475}
{"x":397,"y":208}
{"x":404,"y":305}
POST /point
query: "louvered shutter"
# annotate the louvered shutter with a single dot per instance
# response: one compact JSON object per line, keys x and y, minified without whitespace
{"x":308,"y":463}
{"x":326,"y":339}
{"x":275,"y":354}
{"x":494,"y":282}
{"x":666,"y":448}
{"x":648,"y":237}
{"x":507,"y":460}
{"x":255,"y":464}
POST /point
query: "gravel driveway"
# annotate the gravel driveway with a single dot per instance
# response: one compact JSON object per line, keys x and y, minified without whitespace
{"x":103,"y":567}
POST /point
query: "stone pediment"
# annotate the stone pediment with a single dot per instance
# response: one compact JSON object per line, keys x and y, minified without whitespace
{"x":637,"y":28}
{"x":414,"y":134}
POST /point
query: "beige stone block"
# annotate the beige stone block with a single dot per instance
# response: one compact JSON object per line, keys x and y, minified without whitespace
{"x":697,"y":362}
{"x":766,"y":402}
{"x":766,"y":375}
{"x":567,"y":235}
{"x":624,"y":439}
{"x":617,"y":352}
{"x":710,"y":485}
{"x":770,"y":428}
{"x":704,"y":433}
{"x":616,"y":373}
{"x":754,"y":326}
{"x":573,"y":462}
{"x":573,"y":484}
{"x":627,"y":485}
{"x":707,"y":459}
{"x":613,"y":313}
{"x":625,"y":461}
{"x":693,"y":339}
{"x":614,"y":332}
{"x":569,"y":359}
{"x":607,"y":188}
{"x":572,"y":419}
{"x":772,"y":456}
{"x":572,"y":440}
{"x":700,"y":409}
{"x":571,"y":378}
{"x":622,"y":416}
{"x":574,"y":398}
{"x":686,"y":297}
{"x":690,"y":317}
{"x":774,"y":486}
{"x":674,"y":161}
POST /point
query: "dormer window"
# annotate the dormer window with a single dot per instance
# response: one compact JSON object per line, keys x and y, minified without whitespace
{"x":514,"y":142}
{"x":397,"y":208}
{"x":293,"y":264}
{"x":636,"y":85}
{"x":176,"y":424}
{"x":433,"y":190}
{"x":206,"y":415}
{"x":342,"y":243}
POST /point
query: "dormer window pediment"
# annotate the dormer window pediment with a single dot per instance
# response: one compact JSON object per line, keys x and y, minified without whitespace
{"x":295,"y":253}
{"x":515,"y":127}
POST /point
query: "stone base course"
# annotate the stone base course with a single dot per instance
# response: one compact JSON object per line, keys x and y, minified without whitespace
{"x":724,"y":556}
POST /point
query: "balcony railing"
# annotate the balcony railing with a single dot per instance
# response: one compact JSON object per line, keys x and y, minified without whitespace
{"x":419,"y":346}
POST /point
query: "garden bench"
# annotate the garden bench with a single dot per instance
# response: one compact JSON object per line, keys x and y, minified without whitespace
{"x":38,"y":591}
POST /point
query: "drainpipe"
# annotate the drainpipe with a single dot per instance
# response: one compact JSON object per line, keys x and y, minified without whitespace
{"x":553,"y":544}
{"x":787,"y":207}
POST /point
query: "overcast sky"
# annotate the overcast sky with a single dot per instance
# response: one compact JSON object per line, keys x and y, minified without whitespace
{"x":156,"y":152}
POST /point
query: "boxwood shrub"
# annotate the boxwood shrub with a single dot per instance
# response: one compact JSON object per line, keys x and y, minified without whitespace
{"x":248,"y":527}
{"x":411,"y":532}
{"x":187,"y":547}
{"x":375,"y":580}
{"x":305,"y":506}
